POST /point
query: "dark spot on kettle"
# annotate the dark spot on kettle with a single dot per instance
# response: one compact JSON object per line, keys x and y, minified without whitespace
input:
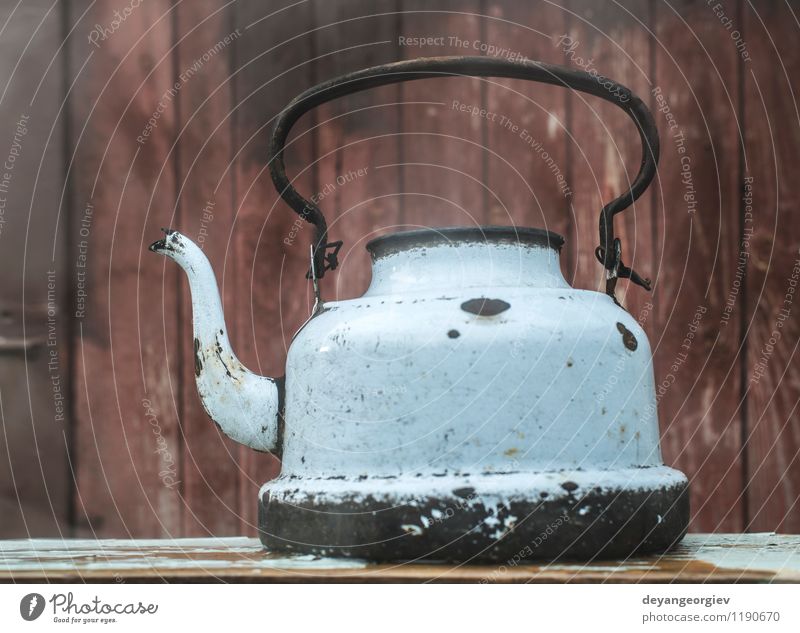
{"x":465,"y":492}
{"x":198,"y":364}
{"x":454,"y":334}
{"x":485,"y":307}
{"x":628,"y":339}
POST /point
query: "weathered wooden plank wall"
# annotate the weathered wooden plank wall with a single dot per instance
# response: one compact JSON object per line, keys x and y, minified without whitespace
{"x":34,"y":334}
{"x":698,"y":75}
{"x":203,"y":151}
{"x":126,"y":375}
{"x":167,"y":121}
{"x":771,"y":373}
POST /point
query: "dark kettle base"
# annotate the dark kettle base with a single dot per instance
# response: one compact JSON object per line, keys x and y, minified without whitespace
{"x":583,"y":524}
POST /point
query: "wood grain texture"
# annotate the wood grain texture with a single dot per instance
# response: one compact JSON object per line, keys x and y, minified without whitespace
{"x":444,"y":173}
{"x":605,"y":150}
{"x":698,"y":366}
{"x":204,"y":50}
{"x":358,"y":136}
{"x":126,"y":351}
{"x":700,"y":558}
{"x":772,"y":374}
{"x":35,"y":237}
{"x":526,"y":131}
{"x":274,"y":63}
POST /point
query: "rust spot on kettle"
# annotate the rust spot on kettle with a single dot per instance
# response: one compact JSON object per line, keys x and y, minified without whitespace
{"x":198,"y":364}
{"x":628,"y":339}
{"x":485,"y":307}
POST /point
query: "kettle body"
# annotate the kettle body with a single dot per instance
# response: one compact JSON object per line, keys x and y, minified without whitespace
{"x":471,"y":406}
{"x":468,"y":401}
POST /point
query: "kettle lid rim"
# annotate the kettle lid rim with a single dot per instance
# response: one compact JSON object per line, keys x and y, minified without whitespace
{"x":453,"y":235}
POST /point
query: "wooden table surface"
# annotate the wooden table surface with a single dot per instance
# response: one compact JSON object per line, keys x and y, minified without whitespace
{"x":699,"y":558}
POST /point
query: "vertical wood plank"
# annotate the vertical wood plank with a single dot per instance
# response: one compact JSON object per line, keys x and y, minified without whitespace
{"x":526,"y":128}
{"x":697,"y":360}
{"x":274,"y":63}
{"x":605,"y":148}
{"x":444,"y":175}
{"x":35,"y":488}
{"x":358,"y":178}
{"x":205,"y":41}
{"x":126,"y":354}
{"x":771,"y":82}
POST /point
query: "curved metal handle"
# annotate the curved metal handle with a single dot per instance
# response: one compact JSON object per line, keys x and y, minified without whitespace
{"x":609,"y":251}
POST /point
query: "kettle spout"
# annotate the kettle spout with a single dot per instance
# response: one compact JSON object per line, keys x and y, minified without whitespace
{"x":244,"y":405}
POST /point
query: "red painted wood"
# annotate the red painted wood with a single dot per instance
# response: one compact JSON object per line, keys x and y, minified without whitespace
{"x":205,"y":46}
{"x":772,"y":373}
{"x":526,"y":128}
{"x":127,"y":385}
{"x":605,"y":150}
{"x":358,"y":144}
{"x":273,"y":65}
{"x":38,"y":268}
{"x":444,"y":160}
{"x":701,"y":418}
